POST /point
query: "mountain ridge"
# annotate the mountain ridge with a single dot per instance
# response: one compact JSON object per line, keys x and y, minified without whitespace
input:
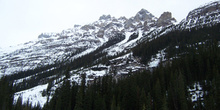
{"x":80,"y":38}
{"x":107,"y":45}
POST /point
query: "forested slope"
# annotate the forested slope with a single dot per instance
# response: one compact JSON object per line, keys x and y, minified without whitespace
{"x":192,"y":59}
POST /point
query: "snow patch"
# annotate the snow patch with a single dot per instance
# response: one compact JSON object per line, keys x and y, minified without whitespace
{"x":156,"y":60}
{"x":34,"y":95}
{"x":196,"y":92}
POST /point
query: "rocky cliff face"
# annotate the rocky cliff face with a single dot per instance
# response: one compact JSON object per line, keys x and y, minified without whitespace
{"x":206,"y":15}
{"x":145,"y":20}
{"x":210,"y":9}
{"x":165,"y":19}
{"x":81,"y":40}
{"x":143,"y":15}
{"x":77,"y":41}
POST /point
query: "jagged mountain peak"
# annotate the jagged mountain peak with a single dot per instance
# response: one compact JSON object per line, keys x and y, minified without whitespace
{"x":165,"y":19}
{"x":144,"y":12}
{"x":72,"y":41}
{"x":105,"y":17}
{"x":93,"y":35}
{"x":47,"y":35}
{"x":108,"y":34}
{"x":143,"y":15}
{"x":123,"y":18}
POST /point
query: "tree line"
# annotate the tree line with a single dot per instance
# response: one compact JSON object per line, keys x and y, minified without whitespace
{"x":196,"y":60}
{"x":165,"y":88}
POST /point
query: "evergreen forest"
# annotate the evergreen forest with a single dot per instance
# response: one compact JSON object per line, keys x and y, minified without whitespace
{"x":192,"y":58}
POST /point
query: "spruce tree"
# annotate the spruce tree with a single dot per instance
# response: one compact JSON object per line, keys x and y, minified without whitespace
{"x":6,"y":94}
{"x":18,"y":105}
{"x":81,"y":94}
{"x":149,"y":102}
{"x":210,"y":102}
{"x":143,"y":100}
{"x":113,"y":104}
{"x":164,"y":103}
{"x":181,"y":93}
{"x":157,"y":95}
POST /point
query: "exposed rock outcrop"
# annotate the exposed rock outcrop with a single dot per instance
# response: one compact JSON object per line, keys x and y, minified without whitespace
{"x":47,"y":35}
{"x":143,"y":15}
{"x":165,"y":19}
{"x":143,"y":19}
{"x":105,"y":17}
{"x":213,"y":8}
{"x":87,"y":27}
{"x":100,"y":33}
{"x":206,"y":15}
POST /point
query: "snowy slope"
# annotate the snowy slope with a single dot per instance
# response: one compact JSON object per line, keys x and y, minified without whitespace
{"x":74,"y":42}
{"x":206,"y":15}
{"x":53,"y":47}
{"x":34,"y":95}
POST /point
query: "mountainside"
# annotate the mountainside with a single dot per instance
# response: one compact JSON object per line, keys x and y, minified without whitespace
{"x":79,"y":40}
{"x":206,"y":15}
{"x":112,"y":46}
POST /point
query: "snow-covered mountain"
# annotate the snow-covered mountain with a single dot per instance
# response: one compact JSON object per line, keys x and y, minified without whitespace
{"x":108,"y":34}
{"x":79,"y":40}
{"x":206,"y":15}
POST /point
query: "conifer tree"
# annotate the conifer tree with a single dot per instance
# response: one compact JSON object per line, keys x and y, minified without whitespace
{"x":99,"y":103}
{"x":172,"y":93}
{"x":164,"y":105}
{"x":216,"y":88}
{"x":6,"y":94}
{"x":181,"y":93}
{"x":157,"y":95}
{"x":18,"y":105}
{"x":81,"y":94}
{"x":210,"y":102}
{"x":143,"y":100}
{"x":149,"y":102}
{"x":113,"y":104}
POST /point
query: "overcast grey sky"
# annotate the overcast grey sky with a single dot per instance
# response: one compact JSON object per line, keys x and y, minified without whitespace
{"x":24,"y":20}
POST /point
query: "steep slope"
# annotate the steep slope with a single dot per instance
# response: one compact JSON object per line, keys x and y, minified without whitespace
{"x":51,"y":48}
{"x":206,"y":15}
{"x":37,"y":62}
{"x":107,"y":46}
